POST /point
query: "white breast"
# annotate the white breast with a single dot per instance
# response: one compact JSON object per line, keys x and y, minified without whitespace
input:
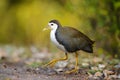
{"x":53,"y":39}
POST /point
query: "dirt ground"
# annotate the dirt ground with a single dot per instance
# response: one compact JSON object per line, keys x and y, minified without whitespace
{"x":18,"y":71}
{"x":26,"y":64}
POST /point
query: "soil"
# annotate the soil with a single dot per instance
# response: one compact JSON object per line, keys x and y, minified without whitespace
{"x":26,"y":64}
{"x":19,"y":71}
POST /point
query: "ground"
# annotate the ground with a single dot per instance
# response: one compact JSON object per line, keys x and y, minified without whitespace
{"x":27,"y":64}
{"x":18,"y":71}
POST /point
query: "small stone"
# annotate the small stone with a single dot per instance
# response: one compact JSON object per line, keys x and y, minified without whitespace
{"x":117,"y":66}
{"x":85,"y":64}
{"x":61,"y":64}
{"x":28,"y":70}
{"x":37,"y":69}
{"x":90,"y":77}
{"x":96,"y":78}
{"x":59,"y":70}
{"x":113,"y":76}
{"x":101,"y":66}
{"x":118,"y":76}
{"x":4,"y":65}
{"x":94,"y":68}
{"x":98,"y":74}
{"x":108,"y":72}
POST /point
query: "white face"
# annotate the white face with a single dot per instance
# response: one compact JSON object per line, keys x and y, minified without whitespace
{"x":53,"y":26}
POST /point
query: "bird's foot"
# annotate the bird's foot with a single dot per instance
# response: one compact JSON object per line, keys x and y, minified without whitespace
{"x":72,"y":71}
{"x":51,"y":63}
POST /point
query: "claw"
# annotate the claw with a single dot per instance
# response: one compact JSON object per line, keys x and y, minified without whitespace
{"x":72,"y":71}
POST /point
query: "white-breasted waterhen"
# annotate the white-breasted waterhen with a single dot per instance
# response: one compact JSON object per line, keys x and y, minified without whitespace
{"x":69,"y":40}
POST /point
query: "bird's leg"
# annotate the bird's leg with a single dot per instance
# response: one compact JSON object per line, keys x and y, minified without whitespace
{"x":76,"y":65}
{"x":52,"y":63}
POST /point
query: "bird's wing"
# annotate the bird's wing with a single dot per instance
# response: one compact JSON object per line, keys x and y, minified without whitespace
{"x":74,"y":39}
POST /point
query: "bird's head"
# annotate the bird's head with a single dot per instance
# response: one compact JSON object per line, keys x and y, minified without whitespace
{"x":53,"y":25}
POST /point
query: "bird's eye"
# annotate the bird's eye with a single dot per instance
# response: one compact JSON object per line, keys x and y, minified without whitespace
{"x":51,"y":24}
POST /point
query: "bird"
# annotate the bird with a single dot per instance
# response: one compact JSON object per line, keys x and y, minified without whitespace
{"x":69,"y":40}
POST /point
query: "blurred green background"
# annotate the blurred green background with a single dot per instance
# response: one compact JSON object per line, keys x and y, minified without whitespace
{"x":22,"y":21}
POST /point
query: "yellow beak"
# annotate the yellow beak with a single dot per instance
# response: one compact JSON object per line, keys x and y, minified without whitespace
{"x":46,"y":28}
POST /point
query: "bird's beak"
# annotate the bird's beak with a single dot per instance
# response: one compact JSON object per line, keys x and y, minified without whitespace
{"x":46,"y":28}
